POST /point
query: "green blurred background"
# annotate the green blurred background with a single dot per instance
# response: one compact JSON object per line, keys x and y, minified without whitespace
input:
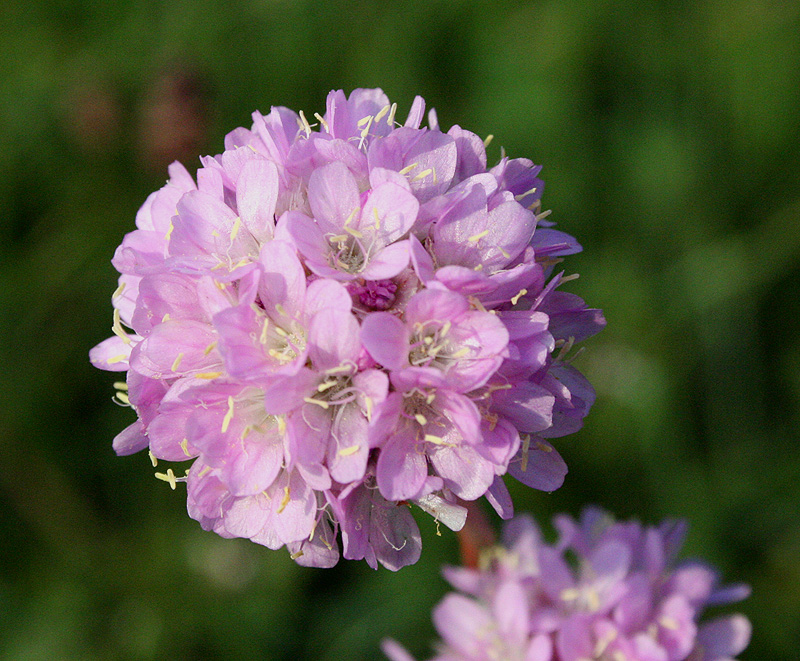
{"x":670,"y":140}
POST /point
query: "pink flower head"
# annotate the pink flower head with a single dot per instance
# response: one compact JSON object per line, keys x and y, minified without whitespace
{"x":607,"y":591}
{"x":335,"y":320}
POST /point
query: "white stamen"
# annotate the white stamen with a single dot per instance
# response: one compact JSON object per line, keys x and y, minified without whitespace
{"x":392,"y":111}
{"x":525,"y":194}
{"x":305,"y":125}
{"x":117,"y":328}
{"x":168,"y":477}
{"x":322,"y":121}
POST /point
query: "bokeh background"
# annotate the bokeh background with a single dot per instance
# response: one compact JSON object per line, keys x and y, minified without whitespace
{"x":670,"y":140}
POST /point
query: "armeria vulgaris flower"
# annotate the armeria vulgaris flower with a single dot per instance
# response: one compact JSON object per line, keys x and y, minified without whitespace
{"x":333,"y":322}
{"x":605,"y":591}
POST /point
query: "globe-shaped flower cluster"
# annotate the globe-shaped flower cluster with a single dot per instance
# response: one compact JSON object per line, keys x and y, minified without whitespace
{"x":335,"y":321}
{"x":605,"y":591}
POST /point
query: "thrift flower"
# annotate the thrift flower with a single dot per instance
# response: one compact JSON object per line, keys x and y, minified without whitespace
{"x":334,"y":322}
{"x":606,"y":591}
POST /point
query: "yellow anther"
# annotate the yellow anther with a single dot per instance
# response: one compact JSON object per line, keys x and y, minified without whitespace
{"x":318,"y":402}
{"x":215,"y":234}
{"x":263,"y":339}
{"x":408,"y":168}
{"x":567,"y":278}
{"x":207,"y":375}
{"x":603,"y":643}
{"x":185,"y":447}
{"x":526,"y":444}
{"x":479,"y":267}
{"x":169,"y":231}
{"x":286,"y":498}
{"x":304,"y":124}
{"x":346,"y":452}
{"x":351,"y":216}
{"x":487,"y":140}
{"x":206,"y":470}
{"x":365,"y":132}
{"x":322,"y":121}
{"x":165,"y":318}
{"x":338,"y":369}
{"x":226,"y":421}
{"x":543,"y":447}
{"x":364,"y":120}
{"x":322,"y":387}
{"x":123,"y":398}
{"x":668,"y":623}
{"x":338,"y":238}
{"x":246,"y":431}
{"x":421,"y":419}
{"x":438,"y":440}
{"x":368,"y":404}
{"x":477,"y":237}
{"x":118,"y":291}
{"x":120,"y":385}
{"x":422,"y":174}
{"x":377,"y":218}
{"x":354,"y":232}
{"x":520,"y":294}
{"x":153,"y":459}
{"x":177,"y":362}
{"x":429,"y":399}
{"x":593,"y":599}
{"x":117,"y":328}
{"x":168,"y":477}
{"x":525,"y":194}
{"x":463,"y":351}
{"x":569,"y":594}
{"x":296,"y":554}
{"x":504,"y":252}
{"x":392,"y":112}
{"x":209,"y":348}
{"x":281,"y":424}
{"x":382,"y":112}
{"x":235,"y":229}
{"x":445,"y":329}
{"x":281,"y":332}
{"x":428,"y":340}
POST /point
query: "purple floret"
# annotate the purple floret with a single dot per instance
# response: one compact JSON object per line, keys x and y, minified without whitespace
{"x":606,"y":591}
{"x":334,"y":322}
